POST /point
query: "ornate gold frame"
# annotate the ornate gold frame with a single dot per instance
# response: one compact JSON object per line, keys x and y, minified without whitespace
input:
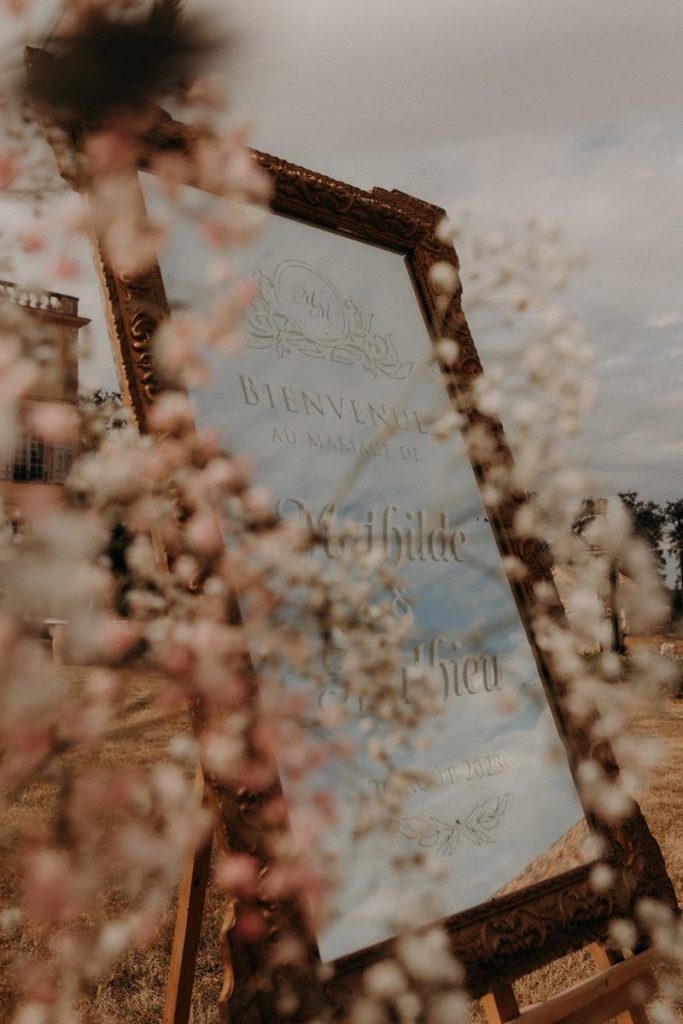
{"x":507,"y":937}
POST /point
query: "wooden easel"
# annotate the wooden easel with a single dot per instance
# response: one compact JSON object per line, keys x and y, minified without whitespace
{"x":188,"y":924}
{"x":620,"y":988}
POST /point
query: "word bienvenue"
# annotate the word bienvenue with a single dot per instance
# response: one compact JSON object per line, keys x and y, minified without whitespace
{"x":419,"y":536}
{"x":318,"y":404}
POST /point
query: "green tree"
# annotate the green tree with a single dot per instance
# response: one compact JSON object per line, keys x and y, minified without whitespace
{"x":648,"y":519}
{"x":591,"y":509}
{"x":673,"y":511}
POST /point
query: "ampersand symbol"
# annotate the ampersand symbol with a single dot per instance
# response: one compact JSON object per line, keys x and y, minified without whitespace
{"x":401,"y":606}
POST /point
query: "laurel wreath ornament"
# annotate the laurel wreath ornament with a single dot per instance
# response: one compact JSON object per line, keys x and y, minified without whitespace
{"x":444,"y":836}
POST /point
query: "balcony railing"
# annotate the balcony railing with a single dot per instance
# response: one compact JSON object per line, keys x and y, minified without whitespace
{"x":39,"y":299}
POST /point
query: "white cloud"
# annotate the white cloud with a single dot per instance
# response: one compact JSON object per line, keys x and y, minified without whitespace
{"x":660,"y":320}
{"x":509,"y":110}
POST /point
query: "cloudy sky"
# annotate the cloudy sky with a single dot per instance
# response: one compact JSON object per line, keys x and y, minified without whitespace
{"x":506,"y":110}
{"x":509,"y":110}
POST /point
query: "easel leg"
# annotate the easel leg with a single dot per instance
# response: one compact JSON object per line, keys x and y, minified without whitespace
{"x":604,"y":958}
{"x":500,"y":1005}
{"x":191,"y":894}
{"x":620,"y":989}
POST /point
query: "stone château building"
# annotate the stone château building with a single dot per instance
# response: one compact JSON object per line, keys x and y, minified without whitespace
{"x":54,"y":323}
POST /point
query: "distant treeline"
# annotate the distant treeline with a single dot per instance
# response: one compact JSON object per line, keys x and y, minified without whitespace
{"x":659,"y":525}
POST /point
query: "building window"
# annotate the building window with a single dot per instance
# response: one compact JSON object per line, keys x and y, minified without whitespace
{"x":36,"y":461}
{"x":30,"y":462}
{"x":62,"y":458}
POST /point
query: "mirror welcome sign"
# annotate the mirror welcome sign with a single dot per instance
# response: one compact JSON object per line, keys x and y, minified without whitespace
{"x":333,"y":396}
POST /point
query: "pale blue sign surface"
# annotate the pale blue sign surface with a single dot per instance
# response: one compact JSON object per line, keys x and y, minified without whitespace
{"x":334,"y":368}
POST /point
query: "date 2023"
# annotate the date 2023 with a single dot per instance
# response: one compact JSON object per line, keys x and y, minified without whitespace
{"x":451,"y":774}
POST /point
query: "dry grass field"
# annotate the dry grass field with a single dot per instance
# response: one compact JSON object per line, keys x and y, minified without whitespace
{"x":134,"y":991}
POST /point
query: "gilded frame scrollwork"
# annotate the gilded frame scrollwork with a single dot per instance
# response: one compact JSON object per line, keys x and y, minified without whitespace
{"x":511,"y":935}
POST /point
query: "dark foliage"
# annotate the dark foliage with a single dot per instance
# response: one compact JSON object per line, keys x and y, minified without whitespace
{"x":590,"y":509}
{"x":648,"y":523}
{"x":658,"y":525}
{"x":111,"y":67}
{"x":103,"y":396}
{"x":674,"y":532}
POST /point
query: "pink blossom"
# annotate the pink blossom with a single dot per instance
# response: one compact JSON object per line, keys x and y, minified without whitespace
{"x":204,"y":533}
{"x":208,"y":91}
{"x":178,"y":660}
{"x":34,"y":240}
{"x":249,"y":926}
{"x":54,"y":421}
{"x":66,"y":268}
{"x":238,"y":874}
{"x":28,"y":741}
{"x":10,"y":167}
{"x":117,"y":638}
{"x":40,"y":502}
{"x":51,"y":892}
{"x":16,"y":7}
{"x":112,"y":150}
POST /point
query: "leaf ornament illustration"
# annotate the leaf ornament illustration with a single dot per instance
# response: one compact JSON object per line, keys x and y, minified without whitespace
{"x":428,"y":832}
{"x":484,"y":818}
{"x":443,"y":836}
